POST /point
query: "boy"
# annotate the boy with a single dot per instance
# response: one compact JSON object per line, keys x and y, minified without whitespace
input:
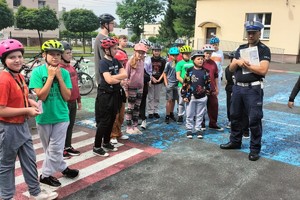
{"x":196,"y":86}
{"x":52,"y":85}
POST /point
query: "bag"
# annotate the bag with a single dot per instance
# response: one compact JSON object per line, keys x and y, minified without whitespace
{"x":146,"y":77}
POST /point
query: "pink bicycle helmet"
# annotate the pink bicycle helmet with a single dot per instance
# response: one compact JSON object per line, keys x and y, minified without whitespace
{"x":140,"y":47}
{"x":10,"y":45}
{"x":208,"y":47}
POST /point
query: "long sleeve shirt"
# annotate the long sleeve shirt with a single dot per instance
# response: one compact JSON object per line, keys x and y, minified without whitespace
{"x":295,"y":91}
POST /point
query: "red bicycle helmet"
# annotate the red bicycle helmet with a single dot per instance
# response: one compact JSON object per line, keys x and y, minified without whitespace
{"x":108,"y":42}
{"x":10,"y":45}
{"x":121,"y":56}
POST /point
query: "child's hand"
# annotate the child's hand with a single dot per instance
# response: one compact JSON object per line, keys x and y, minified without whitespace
{"x":33,"y":111}
{"x":185,"y":99}
{"x":58,"y":73}
{"x":51,"y":71}
{"x":79,"y":106}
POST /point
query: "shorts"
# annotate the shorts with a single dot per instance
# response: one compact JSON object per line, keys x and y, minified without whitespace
{"x":171,"y":93}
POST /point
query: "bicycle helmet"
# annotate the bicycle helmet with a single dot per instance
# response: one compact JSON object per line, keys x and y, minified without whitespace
{"x":10,"y":45}
{"x":214,"y":40}
{"x":186,"y":49}
{"x":208,"y":47}
{"x":121,"y":56}
{"x":179,"y":41}
{"x":156,"y":47}
{"x":106,"y":18}
{"x":52,"y":45}
{"x":66,"y":45}
{"x":174,"y":51}
{"x":140,"y":47}
{"x":108,"y":42}
{"x":145,"y":42}
{"x":197,"y":54}
{"x":253,"y":26}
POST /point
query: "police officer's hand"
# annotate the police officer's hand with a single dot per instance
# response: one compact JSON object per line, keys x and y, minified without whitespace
{"x":290,"y":104}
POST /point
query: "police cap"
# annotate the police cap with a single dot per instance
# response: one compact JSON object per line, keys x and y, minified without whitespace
{"x":253,"y":26}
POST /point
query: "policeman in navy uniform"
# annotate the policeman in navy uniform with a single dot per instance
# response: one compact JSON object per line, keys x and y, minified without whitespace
{"x":248,"y":92}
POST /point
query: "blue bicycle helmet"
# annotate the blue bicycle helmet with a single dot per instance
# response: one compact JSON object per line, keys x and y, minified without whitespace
{"x":174,"y":51}
{"x":214,"y":40}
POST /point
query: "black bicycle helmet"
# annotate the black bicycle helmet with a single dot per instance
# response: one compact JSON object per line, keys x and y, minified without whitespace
{"x":66,"y":45}
{"x":106,"y":18}
{"x":156,"y":47}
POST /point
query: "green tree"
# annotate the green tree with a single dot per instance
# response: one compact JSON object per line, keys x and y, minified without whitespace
{"x":82,"y":21}
{"x":166,"y":31}
{"x":37,"y":19}
{"x":135,"y":13}
{"x":7,"y":15}
{"x":152,"y":39}
{"x":185,"y":10}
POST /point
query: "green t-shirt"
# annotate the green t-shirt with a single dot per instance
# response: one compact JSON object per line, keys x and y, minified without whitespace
{"x":181,"y":67}
{"x":55,"y":108}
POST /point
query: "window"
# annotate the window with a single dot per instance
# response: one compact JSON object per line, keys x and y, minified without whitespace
{"x":265,"y":19}
{"x":41,"y":4}
{"x":17,"y":3}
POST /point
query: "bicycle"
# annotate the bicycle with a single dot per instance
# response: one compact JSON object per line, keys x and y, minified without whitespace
{"x":85,"y":81}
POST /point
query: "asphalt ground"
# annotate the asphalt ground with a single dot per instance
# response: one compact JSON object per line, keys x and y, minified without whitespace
{"x":174,"y":167}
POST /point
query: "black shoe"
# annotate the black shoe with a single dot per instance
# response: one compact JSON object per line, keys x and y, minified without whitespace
{"x":199,"y":134}
{"x":173,"y":117}
{"x":100,"y":152}
{"x":150,"y":116}
{"x":66,"y":155}
{"x":156,"y":115}
{"x":180,"y":120}
{"x":189,"y":134}
{"x":167,"y":120}
{"x":109,"y":147}
{"x":72,"y":151}
{"x":217,"y":128}
{"x":253,"y":156}
{"x":70,"y":173}
{"x":230,"y":145}
{"x":246,"y":135}
{"x":50,"y":181}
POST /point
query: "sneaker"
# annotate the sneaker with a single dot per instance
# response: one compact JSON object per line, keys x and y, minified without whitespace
{"x":144,"y":124}
{"x":130,"y":131}
{"x":109,"y":147}
{"x":228,"y":125}
{"x":50,"y":181}
{"x":203,"y":128}
{"x":246,"y":135}
{"x":156,"y":115}
{"x":44,"y":195}
{"x":173,"y":117}
{"x":72,"y":151}
{"x":199,"y":134}
{"x":217,"y":128}
{"x":167,"y":120}
{"x":114,"y":141}
{"x":124,"y":137}
{"x":189,"y":134}
{"x":137,"y":131}
{"x":100,"y":152}
{"x":150,"y":116}
{"x":70,"y":173}
{"x":66,"y":155}
{"x":180,"y":120}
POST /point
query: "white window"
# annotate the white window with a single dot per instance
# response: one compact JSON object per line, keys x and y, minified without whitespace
{"x":41,"y":4}
{"x":265,"y":19}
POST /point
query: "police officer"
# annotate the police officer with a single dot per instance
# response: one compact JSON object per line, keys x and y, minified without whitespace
{"x":248,"y":92}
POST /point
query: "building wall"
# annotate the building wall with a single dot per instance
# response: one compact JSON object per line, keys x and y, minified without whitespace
{"x":30,"y":37}
{"x":229,"y":17}
{"x":150,"y":30}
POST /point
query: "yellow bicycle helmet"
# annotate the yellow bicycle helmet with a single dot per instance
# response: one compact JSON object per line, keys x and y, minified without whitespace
{"x":52,"y":45}
{"x":185,"y":49}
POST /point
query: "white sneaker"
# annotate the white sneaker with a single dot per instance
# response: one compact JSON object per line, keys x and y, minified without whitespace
{"x":124,"y":137}
{"x":144,"y":124}
{"x":44,"y":195}
{"x":114,"y":140}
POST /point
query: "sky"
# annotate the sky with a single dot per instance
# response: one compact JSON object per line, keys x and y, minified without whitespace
{"x":97,"y":6}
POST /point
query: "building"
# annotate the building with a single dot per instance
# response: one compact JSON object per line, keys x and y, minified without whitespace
{"x":150,"y":30}
{"x":226,"y":18}
{"x":30,"y":37}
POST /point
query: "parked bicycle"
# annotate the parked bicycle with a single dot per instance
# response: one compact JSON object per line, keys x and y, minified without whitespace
{"x":85,"y":81}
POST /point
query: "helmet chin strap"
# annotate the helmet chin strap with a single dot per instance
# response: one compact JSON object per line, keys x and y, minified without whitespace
{"x":65,"y":60}
{"x":13,"y":71}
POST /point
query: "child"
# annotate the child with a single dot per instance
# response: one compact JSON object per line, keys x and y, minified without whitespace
{"x":73,"y":102}
{"x":15,"y":138}
{"x":116,"y":132}
{"x":181,"y":68}
{"x":52,"y":85}
{"x":109,"y":96}
{"x":171,"y":84}
{"x":134,"y":87}
{"x":196,"y":86}
{"x":157,"y":79}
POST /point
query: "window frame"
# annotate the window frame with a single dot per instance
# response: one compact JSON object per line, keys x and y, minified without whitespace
{"x":263,"y":21}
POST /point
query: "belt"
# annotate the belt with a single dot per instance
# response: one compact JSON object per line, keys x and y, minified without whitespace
{"x":248,"y":84}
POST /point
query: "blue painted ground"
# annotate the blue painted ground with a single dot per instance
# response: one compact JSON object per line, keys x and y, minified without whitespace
{"x":281,"y":129}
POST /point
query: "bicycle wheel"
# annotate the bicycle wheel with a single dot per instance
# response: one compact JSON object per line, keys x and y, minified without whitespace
{"x":85,"y":83}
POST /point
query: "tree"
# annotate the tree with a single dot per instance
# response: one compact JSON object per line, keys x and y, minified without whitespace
{"x":7,"y":15}
{"x":37,"y":19}
{"x":81,"y":20}
{"x":135,"y":13}
{"x":185,"y":10}
{"x":166,"y":31}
